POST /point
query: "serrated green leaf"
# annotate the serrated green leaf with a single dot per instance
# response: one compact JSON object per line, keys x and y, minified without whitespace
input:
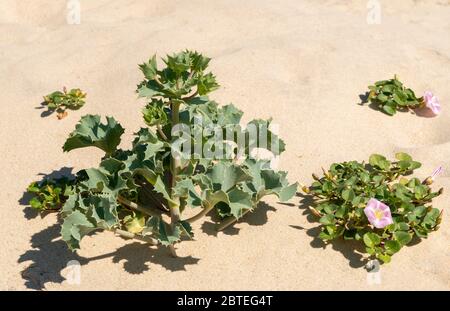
{"x":149,"y":69}
{"x":91,"y":132}
{"x":239,"y":201}
{"x":75,"y":226}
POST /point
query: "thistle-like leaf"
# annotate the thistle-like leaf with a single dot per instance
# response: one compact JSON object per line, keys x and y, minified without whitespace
{"x":91,"y":132}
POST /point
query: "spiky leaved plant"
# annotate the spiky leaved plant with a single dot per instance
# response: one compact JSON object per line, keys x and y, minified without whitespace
{"x":144,"y":192}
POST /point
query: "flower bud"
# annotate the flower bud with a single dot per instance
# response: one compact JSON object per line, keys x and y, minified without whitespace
{"x":428,"y":181}
{"x":305,"y":189}
{"x":315,"y":212}
{"x":439,"y":219}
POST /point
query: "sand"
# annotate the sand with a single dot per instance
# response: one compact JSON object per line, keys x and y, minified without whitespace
{"x":304,"y":63}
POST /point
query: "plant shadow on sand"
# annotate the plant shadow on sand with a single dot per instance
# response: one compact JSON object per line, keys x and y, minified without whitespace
{"x":256,"y":218}
{"x":49,"y":255}
{"x":350,"y":249}
{"x":45,"y":113}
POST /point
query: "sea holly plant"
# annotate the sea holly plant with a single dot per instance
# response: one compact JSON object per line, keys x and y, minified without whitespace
{"x":61,"y":101}
{"x":377,"y":203}
{"x":391,"y":96}
{"x":192,"y":158}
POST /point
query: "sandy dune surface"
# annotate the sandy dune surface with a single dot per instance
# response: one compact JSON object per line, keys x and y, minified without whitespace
{"x":304,"y":63}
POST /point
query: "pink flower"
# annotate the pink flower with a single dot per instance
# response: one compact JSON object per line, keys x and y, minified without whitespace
{"x":378,"y":213}
{"x":432,"y":102}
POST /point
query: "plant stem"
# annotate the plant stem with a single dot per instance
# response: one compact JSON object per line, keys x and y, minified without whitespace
{"x":134,"y":206}
{"x":190,"y":96}
{"x":175,"y":165}
{"x":205,"y":211}
{"x":161,"y":133}
{"x":129,"y":235}
{"x":229,"y":221}
{"x":158,"y":81}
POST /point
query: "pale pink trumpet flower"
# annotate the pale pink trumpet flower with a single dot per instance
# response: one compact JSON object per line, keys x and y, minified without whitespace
{"x":432,"y":102}
{"x":378,"y":214}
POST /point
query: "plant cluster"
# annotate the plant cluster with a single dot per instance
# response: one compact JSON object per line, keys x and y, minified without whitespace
{"x":391,"y":95}
{"x":375,"y":203}
{"x":145,"y":191}
{"x":61,"y":101}
{"x":50,"y":194}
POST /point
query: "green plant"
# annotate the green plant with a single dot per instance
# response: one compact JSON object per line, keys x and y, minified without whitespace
{"x":50,"y":194}
{"x":145,"y":192}
{"x":60,"y":101}
{"x":375,"y":203}
{"x":391,"y":95}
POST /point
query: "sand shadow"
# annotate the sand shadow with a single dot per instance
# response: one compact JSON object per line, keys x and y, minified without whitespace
{"x":364,"y":99}
{"x":256,"y":218}
{"x":352,"y":250}
{"x":424,"y":113}
{"x":30,"y":213}
{"x":50,"y":255}
{"x":45,"y":113}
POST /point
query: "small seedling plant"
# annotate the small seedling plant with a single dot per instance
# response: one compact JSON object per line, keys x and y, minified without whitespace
{"x":61,"y":101}
{"x":146,"y":191}
{"x":391,"y":96}
{"x":50,"y":194}
{"x":375,"y":203}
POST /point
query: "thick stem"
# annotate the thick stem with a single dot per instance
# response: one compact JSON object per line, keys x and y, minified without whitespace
{"x":145,"y":210}
{"x":175,"y":165}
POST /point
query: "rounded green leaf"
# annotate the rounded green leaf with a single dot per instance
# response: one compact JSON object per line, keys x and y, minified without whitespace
{"x":384,"y":257}
{"x":327,"y":220}
{"x":392,"y":247}
{"x":401,"y":156}
{"x":402,"y":237}
{"x":389,"y":110}
{"x":371,"y":239}
{"x":348,"y":194}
